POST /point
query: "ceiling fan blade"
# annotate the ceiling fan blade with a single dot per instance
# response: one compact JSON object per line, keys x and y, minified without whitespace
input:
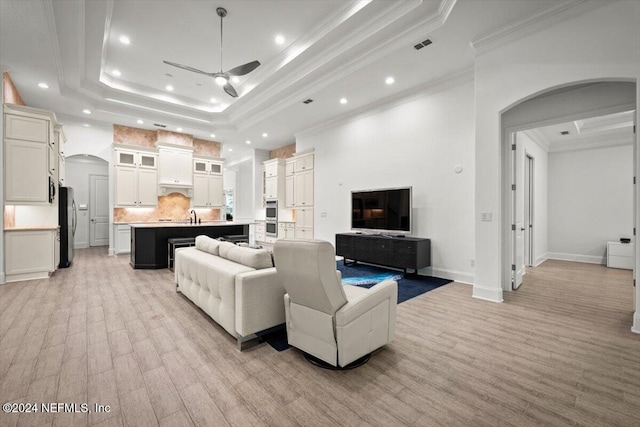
{"x":230,"y":90}
{"x":186,"y":67}
{"x":241,"y":70}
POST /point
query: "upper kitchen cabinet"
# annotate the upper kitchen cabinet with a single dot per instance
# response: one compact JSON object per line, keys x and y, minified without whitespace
{"x":60,"y":139}
{"x":136,"y":174}
{"x":208,"y":190}
{"x":30,"y":156}
{"x":176,"y":166}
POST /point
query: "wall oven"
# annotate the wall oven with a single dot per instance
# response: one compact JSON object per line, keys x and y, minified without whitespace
{"x":271,"y":228}
{"x":272,"y":210}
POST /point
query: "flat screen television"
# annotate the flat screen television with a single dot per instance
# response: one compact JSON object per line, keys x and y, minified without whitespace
{"x":385,"y":210}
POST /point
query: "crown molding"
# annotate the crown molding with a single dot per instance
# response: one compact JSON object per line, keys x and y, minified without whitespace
{"x":411,"y":94}
{"x":590,"y":144}
{"x":561,"y":11}
{"x":47,"y":7}
{"x":248,"y":111}
{"x":536,"y":136}
{"x":430,"y":22}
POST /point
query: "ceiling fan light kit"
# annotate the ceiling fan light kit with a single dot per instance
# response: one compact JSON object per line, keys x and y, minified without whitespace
{"x":222,"y":77}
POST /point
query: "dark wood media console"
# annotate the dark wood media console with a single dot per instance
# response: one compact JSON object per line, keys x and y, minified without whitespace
{"x":398,"y":252}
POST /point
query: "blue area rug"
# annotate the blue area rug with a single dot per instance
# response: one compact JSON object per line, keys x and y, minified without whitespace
{"x":365,"y":276}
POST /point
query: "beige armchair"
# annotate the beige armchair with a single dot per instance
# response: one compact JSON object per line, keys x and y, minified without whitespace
{"x":340,"y":325}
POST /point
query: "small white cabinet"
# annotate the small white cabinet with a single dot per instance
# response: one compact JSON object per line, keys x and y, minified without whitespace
{"x":208,"y":188}
{"x":176,"y":166}
{"x":303,"y":188}
{"x":136,"y":176}
{"x":29,"y":254}
{"x":620,"y":255}
{"x":123,"y":239}
{"x":274,"y":180}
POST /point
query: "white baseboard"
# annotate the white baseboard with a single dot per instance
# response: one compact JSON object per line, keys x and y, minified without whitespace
{"x":456,"y":276}
{"x":111,"y":252}
{"x":3,"y":278}
{"x":487,"y":294}
{"x":541,"y":259}
{"x":636,"y":322}
{"x":590,"y":259}
{"x":83,"y":245}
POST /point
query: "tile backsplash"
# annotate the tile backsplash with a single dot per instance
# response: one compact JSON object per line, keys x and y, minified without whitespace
{"x":172,"y":206}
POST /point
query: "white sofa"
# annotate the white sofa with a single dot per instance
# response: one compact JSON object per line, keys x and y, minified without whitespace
{"x":237,"y":286}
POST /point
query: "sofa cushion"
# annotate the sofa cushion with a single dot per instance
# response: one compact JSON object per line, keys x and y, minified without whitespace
{"x":254,"y":258}
{"x":207,"y":244}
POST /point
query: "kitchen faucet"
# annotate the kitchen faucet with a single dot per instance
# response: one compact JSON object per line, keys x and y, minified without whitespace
{"x":195,"y":217}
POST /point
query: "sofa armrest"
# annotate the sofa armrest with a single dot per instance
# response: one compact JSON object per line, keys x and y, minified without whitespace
{"x":356,"y":307}
{"x":259,"y":301}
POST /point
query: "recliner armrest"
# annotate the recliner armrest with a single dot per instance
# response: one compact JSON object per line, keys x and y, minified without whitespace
{"x":259,"y":301}
{"x":387,"y":289}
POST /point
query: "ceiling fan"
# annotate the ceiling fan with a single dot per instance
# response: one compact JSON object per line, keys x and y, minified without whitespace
{"x":222,"y":77}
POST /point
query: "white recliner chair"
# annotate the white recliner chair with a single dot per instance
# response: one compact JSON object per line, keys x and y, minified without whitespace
{"x":338,"y":324}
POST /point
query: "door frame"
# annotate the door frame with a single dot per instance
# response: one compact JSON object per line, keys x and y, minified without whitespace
{"x":529,"y":209}
{"x":508,"y":195}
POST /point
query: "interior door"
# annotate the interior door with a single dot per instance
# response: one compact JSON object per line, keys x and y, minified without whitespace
{"x":99,"y":210}
{"x":518,"y":213}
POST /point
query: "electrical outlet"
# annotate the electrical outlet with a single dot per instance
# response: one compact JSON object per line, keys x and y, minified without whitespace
{"x":486,"y":216}
{"x":323,"y":214}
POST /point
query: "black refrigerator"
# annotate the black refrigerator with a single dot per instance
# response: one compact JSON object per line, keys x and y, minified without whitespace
{"x":68,"y":218}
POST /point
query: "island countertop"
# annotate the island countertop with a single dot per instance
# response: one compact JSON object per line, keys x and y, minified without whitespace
{"x":169,"y":224}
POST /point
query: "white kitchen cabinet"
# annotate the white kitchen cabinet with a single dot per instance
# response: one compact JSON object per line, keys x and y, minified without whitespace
{"x":56,"y":249}
{"x":136,"y":179}
{"x":304,"y":217}
{"x":26,"y":172}
{"x":304,"y":233}
{"x":29,"y":254}
{"x":289,"y":195}
{"x":286,"y":230}
{"x":260,"y":231}
{"x":175,"y":166}
{"x":26,"y":128}
{"x":60,"y":140}
{"x":208,"y":188}
{"x":123,"y":239}
{"x":30,"y":155}
{"x":274,"y":181}
{"x":303,"y":188}
{"x":303,"y":163}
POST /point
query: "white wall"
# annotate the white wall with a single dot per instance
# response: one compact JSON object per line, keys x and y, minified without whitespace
{"x":590,"y":202}
{"x":416,"y":143}
{"x":78,"y":170}
{"x":540,"y":194}
{"x":601,"y":44}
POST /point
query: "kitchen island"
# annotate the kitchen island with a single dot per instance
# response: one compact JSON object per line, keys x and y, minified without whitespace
{"x":149,"y":240}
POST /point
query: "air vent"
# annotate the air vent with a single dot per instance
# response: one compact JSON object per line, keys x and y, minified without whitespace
{"x":307,"y":101}
{"x":159,"y":125}
{"x":564,"y":132}
{"x":420,"y":45}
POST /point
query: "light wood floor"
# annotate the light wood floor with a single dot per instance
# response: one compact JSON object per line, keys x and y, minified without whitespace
{"x":559,"y":351}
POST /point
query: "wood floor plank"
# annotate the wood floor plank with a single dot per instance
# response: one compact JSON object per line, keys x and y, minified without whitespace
{"x":558,"y":351}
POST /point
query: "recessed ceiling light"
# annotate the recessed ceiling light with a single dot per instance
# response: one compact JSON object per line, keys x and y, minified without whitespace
{"x":279,"y":39}
{"x":221,"y":80}
{"x":248,"y":142}
{"x":140,"y":122}
{"x":389,"y":80}
{"x":179,"y":129}
{"x":235,"y":79}
{"x":264,"y":135}
{"x":43,"y":85}
{"x":116,"y":73}
{"x":86,"y":111}
{"x":124,"y":40}
{"x":343,"y":100}
{"x":213,"y":135}
{"x":87,"y":125}
{"x":213,"y":100}
{"x":230,"y":149}
{"x":169,"y":88}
